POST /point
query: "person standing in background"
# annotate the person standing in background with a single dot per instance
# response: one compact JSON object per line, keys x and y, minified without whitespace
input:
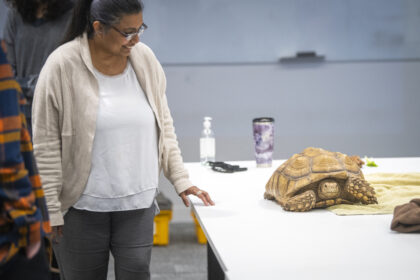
{"x":23,"y":212}
{"x":34,"y":28}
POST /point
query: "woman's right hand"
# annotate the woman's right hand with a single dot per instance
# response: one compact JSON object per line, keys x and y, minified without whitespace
{"x":56,"y":234}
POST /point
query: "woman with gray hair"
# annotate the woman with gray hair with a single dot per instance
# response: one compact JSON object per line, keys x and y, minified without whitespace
{"x":102,"y":133}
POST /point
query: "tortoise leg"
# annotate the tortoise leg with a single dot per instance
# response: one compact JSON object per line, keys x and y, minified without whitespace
{"x":269,"y":196}
{"x":302,"y":202}
{"x":331,"y":202}
{"x":359,"y":190}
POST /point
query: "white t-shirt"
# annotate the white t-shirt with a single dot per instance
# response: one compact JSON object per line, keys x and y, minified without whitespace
{"x":125,"y":170}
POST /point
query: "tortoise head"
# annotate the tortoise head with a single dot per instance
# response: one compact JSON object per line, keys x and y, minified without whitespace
{"x":328,"y":189}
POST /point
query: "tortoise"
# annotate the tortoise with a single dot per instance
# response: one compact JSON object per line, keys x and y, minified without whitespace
{"x":317,"y":178}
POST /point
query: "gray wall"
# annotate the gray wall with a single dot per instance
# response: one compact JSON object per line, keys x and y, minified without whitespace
{"x":263,"y":31}
{"x":369,"y":108}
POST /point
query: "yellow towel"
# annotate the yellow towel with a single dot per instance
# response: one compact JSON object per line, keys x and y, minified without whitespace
{"x":391,"y":189}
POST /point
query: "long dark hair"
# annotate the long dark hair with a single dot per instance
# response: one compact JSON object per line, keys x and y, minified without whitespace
{"x":28,"y":8}
{"x":108,"y":12}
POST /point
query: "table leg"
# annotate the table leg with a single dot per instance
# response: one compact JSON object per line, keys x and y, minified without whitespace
{"x":214,"y":270}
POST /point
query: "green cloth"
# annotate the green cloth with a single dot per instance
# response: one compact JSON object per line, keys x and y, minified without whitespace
{"x":391,"y":189}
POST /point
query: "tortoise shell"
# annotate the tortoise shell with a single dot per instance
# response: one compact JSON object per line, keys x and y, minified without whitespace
{"x":305,"y":170}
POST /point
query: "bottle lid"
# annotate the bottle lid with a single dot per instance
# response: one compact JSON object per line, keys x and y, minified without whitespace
{"x":207,"y":122}
{"x":263,"y":119}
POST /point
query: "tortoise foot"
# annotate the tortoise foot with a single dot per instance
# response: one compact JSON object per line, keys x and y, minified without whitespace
{"x":360,"y":191}
{"x":268,"y":196}
{"x":331,"y":202}
{"x":302,"y":202}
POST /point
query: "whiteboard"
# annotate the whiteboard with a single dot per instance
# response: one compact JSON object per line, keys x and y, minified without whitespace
{"x":245,"y":31}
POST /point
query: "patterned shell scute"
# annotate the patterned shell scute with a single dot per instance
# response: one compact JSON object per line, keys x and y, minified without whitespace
{"x":310,"y":166}
{"x":298,"y":167}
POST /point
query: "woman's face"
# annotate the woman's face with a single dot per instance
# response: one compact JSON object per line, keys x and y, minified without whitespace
{"x":115,"y":39}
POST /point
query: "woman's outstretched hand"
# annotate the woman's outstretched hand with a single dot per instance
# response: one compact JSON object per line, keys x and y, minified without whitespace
{"x":203,"y":195}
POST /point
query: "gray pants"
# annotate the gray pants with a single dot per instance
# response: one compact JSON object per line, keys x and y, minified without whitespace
{"x":83,"y":251}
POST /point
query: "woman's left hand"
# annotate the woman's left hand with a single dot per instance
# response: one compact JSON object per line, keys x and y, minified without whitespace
{"x":203,"y":195}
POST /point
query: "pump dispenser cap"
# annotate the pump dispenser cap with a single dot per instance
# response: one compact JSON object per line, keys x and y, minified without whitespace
{"x":207,"y":122}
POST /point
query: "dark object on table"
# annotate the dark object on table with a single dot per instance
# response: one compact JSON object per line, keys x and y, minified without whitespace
{"x":407,"y":217}
{"x":303,"y":57}
{"x":223,"y":167}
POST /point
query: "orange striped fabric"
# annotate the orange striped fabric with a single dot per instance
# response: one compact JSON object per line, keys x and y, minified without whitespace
{"x":23,"y":212}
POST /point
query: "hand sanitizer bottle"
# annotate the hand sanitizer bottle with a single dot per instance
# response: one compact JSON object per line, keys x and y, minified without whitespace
{"x":207,"y":143}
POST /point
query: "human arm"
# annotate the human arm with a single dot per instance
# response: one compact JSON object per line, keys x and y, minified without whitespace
{"x":22,"y":204}
{"x":9,"y":34}
{"x":47,"y":137}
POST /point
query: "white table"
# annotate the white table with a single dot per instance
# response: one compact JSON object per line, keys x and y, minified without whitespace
{"x":253,"y":238}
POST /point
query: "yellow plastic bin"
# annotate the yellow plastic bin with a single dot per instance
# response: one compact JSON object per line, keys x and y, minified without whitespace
{"x":161,"y":221}
{"x":201,"y":237}
{"x":161,"y":227}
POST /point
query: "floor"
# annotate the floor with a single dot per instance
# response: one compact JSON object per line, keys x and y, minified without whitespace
{"x":183,"y":259}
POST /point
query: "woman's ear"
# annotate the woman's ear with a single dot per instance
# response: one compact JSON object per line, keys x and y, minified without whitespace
{"x":98,"y":28}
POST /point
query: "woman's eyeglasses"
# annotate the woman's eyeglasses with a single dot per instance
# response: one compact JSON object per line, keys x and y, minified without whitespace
{"x":129,"y":36}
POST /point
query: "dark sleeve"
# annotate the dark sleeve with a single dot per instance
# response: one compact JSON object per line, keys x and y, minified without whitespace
{"x":9,"y":38}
